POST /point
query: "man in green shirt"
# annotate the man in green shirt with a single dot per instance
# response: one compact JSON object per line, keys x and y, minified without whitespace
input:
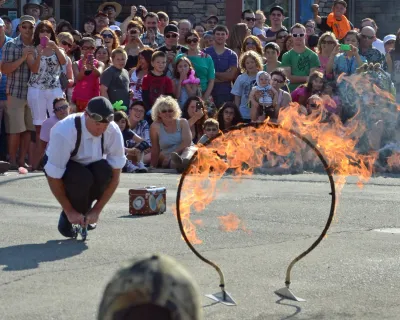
{"x":300,"y":61}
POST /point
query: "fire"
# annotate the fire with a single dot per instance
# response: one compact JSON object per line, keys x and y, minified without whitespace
{"x":394,"y":161}
{"x":245,"y":149}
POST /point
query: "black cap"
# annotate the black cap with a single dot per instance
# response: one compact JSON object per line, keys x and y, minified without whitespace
{"x":171,"y":28}
{"x":276,"y":8}
{"x":213,"y":17}
{"x":100,"y":106}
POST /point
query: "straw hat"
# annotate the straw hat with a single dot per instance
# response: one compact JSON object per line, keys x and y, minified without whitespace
{"x":116,"y":5}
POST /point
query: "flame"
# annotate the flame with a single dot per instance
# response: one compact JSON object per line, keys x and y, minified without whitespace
{"x":244,"y":150}
{"x":394,"y":161}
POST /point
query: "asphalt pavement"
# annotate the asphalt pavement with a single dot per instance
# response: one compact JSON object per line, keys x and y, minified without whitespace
{"x":352,"y":274}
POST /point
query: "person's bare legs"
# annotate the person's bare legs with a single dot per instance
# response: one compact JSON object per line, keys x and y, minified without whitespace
{"x":13,"y":144}
{"x":38,"y":152}
{"x":24,"y":147}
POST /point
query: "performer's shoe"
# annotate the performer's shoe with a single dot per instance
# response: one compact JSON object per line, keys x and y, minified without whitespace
{"x":92,"y":226}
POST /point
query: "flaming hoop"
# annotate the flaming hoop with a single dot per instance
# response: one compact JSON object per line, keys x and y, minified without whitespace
{"x":285,"y":292}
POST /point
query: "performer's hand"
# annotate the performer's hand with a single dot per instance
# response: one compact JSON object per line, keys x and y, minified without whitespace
{"x":75,"y":217}
{"x":92,"y":216}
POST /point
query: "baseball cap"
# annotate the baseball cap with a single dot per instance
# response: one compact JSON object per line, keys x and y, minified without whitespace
{"x":156,"y":280}
{"x":171,"y":28}
{"x":1,"y":22}
{"x":276,"y":8}
{"x":27,"y":18}
{"x":100,"y":109}
{"x":101,"y":13}
{"x":389,"y":37}
{"x":208,"y":34}
{"x":213,"y":17}
{"x":115,"y":28}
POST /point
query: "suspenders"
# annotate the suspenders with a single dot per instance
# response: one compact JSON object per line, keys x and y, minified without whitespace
{"x":78,"y":126}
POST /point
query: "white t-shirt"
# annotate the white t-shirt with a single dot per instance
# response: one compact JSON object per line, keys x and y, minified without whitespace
{"x":258,"y":31}
{"x":378,"y":44}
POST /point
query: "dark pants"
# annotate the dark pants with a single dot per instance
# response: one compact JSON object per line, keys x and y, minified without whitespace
{"x":83,"y":185}
{"x":220,"y":99}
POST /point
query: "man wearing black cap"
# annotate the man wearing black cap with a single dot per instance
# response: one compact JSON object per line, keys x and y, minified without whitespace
{"x":276,"y":16}
{"x":84,"y":161}
{"x":171,"y":47}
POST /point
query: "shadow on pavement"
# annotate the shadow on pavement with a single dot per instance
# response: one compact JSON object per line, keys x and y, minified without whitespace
{"x":29,"y":256}
{"x":298,"y":309}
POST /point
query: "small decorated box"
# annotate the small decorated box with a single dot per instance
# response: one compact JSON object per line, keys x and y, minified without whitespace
{"x":147,"y":200}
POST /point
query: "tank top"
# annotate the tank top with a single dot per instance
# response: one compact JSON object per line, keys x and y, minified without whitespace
{"x":48,"y":76}
{"x":169,"y":141}
{"x":88,"y":87}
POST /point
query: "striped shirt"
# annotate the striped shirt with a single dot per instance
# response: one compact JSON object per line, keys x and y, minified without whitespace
{"x":17,"y":81}
{"x":143,"y":130}
{"x":3,"y":80}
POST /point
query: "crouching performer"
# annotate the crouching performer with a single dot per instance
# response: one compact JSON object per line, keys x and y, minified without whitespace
{"x":83,"y":164}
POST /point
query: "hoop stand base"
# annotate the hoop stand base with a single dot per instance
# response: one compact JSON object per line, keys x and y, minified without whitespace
{"x":223,"y":297}
{"x":286,"y":293}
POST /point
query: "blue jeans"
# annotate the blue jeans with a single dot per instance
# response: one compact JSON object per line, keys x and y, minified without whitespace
{"x":83,"y":185}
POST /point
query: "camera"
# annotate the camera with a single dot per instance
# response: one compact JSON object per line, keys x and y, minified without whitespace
{"x":139,"y":12}
{"x":198,"y":105}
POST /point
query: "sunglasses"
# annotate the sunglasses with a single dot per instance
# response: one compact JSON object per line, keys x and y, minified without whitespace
{"x":133,"y":32}
{"x":107,"y":35}
{"x":45,"y":31}
{"x":313,"y":105}
{"x":99,"y":118}
{"x":171,"y":35}
{"x":327,"y":42}
{"x":295,"y":35}
{"x":211,"y":129}
{"x":167,"y":111}
{"x":279,"y":81}
{"x":195,"y":40}
{"x":88,"y":48}
{"x":367,"y":37}
{"x":250,"y":43}
{"x":250,"y":19}
{"x":281,"y":37}
{"x":61,"y":108}
{"x":65,"y":43}
{"x":310,"y":26}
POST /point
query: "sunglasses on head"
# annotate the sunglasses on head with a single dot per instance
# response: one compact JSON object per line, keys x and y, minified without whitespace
{"x":99,"y":118}
{"x":61,"y":108}
{"x":107,"y":35}
{"x":250,"y":19}
{"x":171,"y":35}
{"x":167,"y":111}
{"x":65,"y":43}
{"x":295,"y":35}
{"x":367,"y":37}
{"x":194,"y":40}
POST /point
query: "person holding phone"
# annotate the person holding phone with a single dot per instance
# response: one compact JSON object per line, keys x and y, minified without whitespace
{"x":87,"y":72}
{"x":44,"y":83}
{"x":195,"y":112}
{"x":134,"y":45}
{"x":345,"y":58}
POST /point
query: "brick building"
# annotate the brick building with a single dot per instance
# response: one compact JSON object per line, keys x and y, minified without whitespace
{"x":386,"y":13}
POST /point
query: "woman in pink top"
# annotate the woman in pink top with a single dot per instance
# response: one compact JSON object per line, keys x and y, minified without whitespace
{"x":326,"y":43}
{"x":87,"y":72}
{"x":315,"y":85}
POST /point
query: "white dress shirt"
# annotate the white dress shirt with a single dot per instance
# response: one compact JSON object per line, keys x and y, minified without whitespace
{"x":63,"y":139}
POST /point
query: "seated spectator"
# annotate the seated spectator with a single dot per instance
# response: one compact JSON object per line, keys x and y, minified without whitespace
{"x":195,"y":113}
{"x":228,"y":116}
{"x":171,"y":48}
{"x":252,"y":43}
{"x":327,"y":42}
{"x":393,"y":63}
{"x":151,"y":287}
{"x":140,"y":126}
{"x":139,"y":71}
{"x":156,"y":83}
{"x":185,"y":83}
{"x":315,"y":85}
{"x":378,"y":43}
{"x":134,"y":146}
{"x":171,"y":138}
{"x":61,"y":110}
{"x":279,"y":82}
{"x":114,"y":82}
{"x":334,"y":105}
{"x":389,"y":42}
{"x":103,"y":55}
{"x":211,"y":130}
{"x":336,"y":21}
{"x":346,"y":62}
{"x":271,"y":54}
{"x":373,"y":55}
{"x":87,"y":72}
{"x":315,"y":108}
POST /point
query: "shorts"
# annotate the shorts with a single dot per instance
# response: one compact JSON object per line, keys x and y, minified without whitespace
{"x":41,"y":103}
{"x":18,"y":117}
